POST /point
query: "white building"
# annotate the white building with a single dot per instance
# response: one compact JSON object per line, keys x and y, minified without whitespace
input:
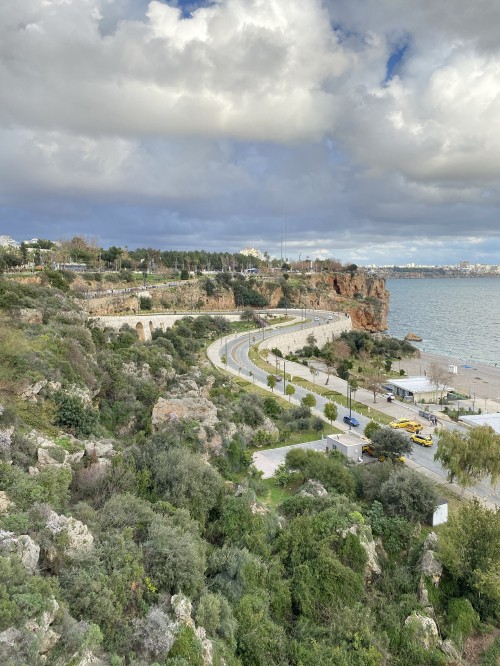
{"x":492,"y":420}
{"x":417,"y":389}
{"x":348,"y":444}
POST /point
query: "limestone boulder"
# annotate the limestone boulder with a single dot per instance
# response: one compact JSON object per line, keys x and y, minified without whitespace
{"x":5,"y":442}
{"x":23,"y":546}
{"x":452,"y":653}
{"x":47,"y":637}
{"x":369,"y":545}
{"x":30,"y":393}
{"x":87,"y":658}
{"x":431,"y":566}
{"x":187,"y":387}
{"x":423,"y":593}
{"x":431,"y":541}
{"x":413,"y":337}
{"x":5,"y":502}
{"x":313,"y":488}
{"x":79,"y":539}
{"x":52,"y":454}
{"x":168,"y":410}
{"x":155,"y":634}
{"x":99,"y":449}
{"x":30,"y":315}
{"x":182,"y":608}
{"x":424,"y":629}
{"x":9,"y":639}
{"x":138,"y":370}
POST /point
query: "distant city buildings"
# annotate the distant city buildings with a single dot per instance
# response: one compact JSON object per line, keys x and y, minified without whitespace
{"x":412,"y":270}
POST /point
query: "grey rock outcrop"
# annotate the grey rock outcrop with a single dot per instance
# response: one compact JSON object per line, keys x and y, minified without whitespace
{"x":5,"y":502}
{"x":5,"y":442}
{"x":99,"y":449}
{"x":189,"y":407}
{"x":430,"y":564}
{"x":41,"y":627}
{"x":79,"y":537}
{"x":450,"y":650}
{"x":30,"y":393}
{"x":182,"y":608}
{"x":23,"y":546}
{"x":88,"y":658}
{"x":313,"y":488}
{"x":9,"y":638}
{"x":51,"y":454}
{"x":30,"y":315}
{"x":155,"y":634}
{"x":424,"y":629}
{"x":369,"y":545}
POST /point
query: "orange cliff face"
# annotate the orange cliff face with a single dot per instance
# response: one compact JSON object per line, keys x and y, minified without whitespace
{"x":362,"y":296}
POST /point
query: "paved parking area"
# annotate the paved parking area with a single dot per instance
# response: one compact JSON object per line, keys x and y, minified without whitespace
{"x":269,"y":460}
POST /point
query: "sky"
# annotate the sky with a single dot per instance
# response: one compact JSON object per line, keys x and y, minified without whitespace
{"x":369,"y":128}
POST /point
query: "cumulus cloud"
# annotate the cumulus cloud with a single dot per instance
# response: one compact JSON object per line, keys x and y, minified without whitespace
{"x":367,"y":126}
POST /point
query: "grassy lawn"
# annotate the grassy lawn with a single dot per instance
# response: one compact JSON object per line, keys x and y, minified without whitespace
{"x":275,"y":494}
{"x":339,"y":398}
{"x":256,"y":358}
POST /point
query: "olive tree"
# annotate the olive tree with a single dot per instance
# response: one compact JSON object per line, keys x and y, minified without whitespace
{"x":408,"y":494}
{"x":390,"y":444}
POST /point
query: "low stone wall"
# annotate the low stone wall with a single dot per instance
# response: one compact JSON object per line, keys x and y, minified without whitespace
{"x":323,"y":332}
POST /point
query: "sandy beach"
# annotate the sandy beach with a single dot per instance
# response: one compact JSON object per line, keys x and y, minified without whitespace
{"x":474,"y":379}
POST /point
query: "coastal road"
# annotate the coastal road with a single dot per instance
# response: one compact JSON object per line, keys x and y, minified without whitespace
{"x":235,"y":348}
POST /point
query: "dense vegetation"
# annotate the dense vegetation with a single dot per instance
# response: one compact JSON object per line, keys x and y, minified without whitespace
{"x":174,"y":507}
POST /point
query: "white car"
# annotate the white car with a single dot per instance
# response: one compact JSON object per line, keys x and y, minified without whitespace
{"x":316,"y":318}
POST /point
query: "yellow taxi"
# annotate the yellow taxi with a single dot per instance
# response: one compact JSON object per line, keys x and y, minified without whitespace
{"x":413,"y":426}
{"x":368,"y":448}
{"x":423,"y":440}
{"x":400,"y":423}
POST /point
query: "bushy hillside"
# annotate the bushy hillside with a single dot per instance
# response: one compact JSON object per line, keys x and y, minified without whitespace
{"x":133,"y":529}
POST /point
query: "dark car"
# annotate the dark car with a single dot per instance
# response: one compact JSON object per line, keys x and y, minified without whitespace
{"x":350,"y":420}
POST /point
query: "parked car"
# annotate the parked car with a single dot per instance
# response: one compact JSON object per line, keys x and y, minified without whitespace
{"x":400,"y":423}
{"x":423,"y":440}
{"x":413,"y":426}
{"x":368,"y":448}
{"x":351,"y":420}
{"x":278,"y":378}
{"x":316,"y":318}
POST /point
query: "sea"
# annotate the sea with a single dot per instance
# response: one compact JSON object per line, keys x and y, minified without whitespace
{"x":457,"y":317}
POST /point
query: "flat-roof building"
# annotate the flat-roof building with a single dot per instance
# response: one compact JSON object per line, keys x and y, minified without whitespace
{"x":417,"y":389}
{"x":348,"y":444}
{"x":492,"y":420}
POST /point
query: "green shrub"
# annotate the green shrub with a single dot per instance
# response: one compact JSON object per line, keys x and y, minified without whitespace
{"x":73,"y":415}
{"x":462,"y":619}
{"x":186,"y":646}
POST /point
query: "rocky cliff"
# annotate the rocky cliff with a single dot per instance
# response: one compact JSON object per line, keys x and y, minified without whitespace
{"x":362,"y":296}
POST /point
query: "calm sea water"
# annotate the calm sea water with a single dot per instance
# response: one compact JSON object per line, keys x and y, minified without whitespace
{"x":455,"y":317}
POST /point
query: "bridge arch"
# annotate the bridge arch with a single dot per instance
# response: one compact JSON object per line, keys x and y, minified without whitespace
{"x":140,"y":331}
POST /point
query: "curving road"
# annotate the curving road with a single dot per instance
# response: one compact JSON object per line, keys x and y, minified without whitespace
{"x":236,"y":349}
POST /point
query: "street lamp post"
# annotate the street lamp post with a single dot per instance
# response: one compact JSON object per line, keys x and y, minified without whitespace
{"x":284,"y":376}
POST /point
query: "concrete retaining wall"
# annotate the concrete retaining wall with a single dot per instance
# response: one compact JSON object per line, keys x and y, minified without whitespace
{"x":324,"y":332}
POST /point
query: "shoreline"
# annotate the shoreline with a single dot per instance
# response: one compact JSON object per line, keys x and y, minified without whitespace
{"x":474,"y":379}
